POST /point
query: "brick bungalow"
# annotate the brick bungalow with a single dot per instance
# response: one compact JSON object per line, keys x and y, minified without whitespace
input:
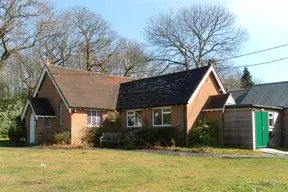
{"x":68,"y":99}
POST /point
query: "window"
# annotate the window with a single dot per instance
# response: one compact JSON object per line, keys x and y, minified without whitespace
{"x":162,"y":117}
{"x":94,"y":119}
{"x":271,"y":120}
{"x":134,"y":119}
{"x":47,"y":122}
{"x":61,"y":113}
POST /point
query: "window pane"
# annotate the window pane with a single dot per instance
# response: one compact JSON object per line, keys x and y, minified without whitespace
{"x":98,"y":118}
{"x":271,"y":123}
{"x":131,"y":120}
{"x":166,"y":110}
{"x":157,"y":116}
{"x":166,"y":119}
{"x":138,"y":118}
{"x":130,"y":112}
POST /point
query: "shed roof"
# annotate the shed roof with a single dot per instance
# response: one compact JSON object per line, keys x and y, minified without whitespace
{"x":271,"y":94}
{"x":239,"y":96}
{"x":164,"y":90}
{"x":216,"y":101}
{"x":41,"y":106}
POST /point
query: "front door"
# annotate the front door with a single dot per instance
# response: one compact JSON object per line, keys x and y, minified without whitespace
{"x":261,"y":125}
{"x":32,"y":128}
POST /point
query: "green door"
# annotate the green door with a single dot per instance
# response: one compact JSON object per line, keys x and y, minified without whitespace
{"x":261,"y":125}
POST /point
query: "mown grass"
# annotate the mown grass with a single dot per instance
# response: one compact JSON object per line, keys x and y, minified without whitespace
{"x":109,"y":170}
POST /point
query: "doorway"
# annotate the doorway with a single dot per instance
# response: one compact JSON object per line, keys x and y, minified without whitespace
{"x":261,"y":125}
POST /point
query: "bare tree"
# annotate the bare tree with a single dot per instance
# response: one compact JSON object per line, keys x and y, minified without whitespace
{"x":59,"y":40}
{"x":95,"y":36}
{"x":130,"y":60}
{"x":189,"y":37}
{"x":18,"y":21}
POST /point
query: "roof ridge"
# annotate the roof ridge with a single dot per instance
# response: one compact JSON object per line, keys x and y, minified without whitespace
{"x":271,"y":83}
{"x":136,"y":80}
{"x":91,"y":72}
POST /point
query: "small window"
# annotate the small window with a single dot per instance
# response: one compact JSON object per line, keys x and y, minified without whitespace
{"x":162,"y":117}
{"x":134,"y":119}
{"x":271,"y":120}
{"x":94,"y":118}
{"x":61,"y":113}
{"x":47,"y":122}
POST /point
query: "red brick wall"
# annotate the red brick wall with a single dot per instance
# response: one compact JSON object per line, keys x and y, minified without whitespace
{"x":177,"y":117}
{"x":48,"y":90}
{"x":210,"y":87}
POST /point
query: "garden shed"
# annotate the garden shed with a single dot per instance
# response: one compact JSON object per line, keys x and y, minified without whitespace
{"x":252,"y":126}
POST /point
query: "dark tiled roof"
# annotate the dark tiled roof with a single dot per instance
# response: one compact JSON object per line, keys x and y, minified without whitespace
{"x":239,"y":95}
{"x":216,"y":101}
{"x":170,"y":89}
{"x":41,"y":106}
{"x":272,"y":94}
{"x":83,"y":89}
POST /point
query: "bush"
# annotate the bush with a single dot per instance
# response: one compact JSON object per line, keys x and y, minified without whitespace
{"x":147,"y":137}
{"x":205,"y":133}
{"x":17,"y":131}
{"x":92,"y":136}
{"x":62,"y":138}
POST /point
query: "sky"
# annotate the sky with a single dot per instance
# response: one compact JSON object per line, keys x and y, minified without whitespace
{"x":265,"y":21}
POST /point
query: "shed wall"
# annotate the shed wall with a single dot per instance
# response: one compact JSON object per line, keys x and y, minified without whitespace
{"x":238,"y":128}
{"x":285,"y":127}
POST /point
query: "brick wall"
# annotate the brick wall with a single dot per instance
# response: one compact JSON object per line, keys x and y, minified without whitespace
{"x":177,"y":117}
{"x":210,"y":87}
{"x":48,"y":90}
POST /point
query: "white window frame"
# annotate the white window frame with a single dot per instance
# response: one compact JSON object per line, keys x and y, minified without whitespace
{"x":61,"y":114}
{"x":273,"y":117}
{"x":49,"y":122}
{"x":134,"y":115}
{"x":97,"y":113}
{"x":162,"y":108}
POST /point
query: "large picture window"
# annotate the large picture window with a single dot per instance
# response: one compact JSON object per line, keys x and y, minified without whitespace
{"x":134,"y":119}
{"x":94,"y":118}
{"x":162,"y":117}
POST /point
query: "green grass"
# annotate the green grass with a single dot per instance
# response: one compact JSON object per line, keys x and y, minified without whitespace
{"x":107,"y":170}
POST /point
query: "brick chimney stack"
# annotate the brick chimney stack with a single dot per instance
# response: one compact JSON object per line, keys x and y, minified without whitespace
{"x":212,"y":62}
{"x":46,"y":62}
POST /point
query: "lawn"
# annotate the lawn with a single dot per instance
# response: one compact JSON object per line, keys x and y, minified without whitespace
{"x":108,"y":170}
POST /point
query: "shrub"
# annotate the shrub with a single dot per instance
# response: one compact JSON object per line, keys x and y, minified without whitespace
{"x":46,"y":137}
{"x":62,"y":138}
{"x":147,"y":137}
{"x":17,"y":131}
{"x":204,"y":133}
{"x":92,"y":136}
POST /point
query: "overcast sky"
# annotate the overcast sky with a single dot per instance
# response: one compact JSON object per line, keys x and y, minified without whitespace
{"x":265,"y":20}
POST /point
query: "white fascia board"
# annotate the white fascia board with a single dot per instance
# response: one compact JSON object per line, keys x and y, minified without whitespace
{"x":44,"y":71}
{"x":24,"y":110}
{"x":211,"y":69}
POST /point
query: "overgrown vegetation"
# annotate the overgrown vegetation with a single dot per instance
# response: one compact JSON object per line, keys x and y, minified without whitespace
{"x":92,"y":136}
{"x":204,"y":133}
{"x":148,"y":137}
{"x":17,"y":132}
{"x":11,"y":106}
{"x":63,"y":138}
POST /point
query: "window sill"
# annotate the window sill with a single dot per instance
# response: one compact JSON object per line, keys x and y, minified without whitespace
{"x":162,"y":125}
